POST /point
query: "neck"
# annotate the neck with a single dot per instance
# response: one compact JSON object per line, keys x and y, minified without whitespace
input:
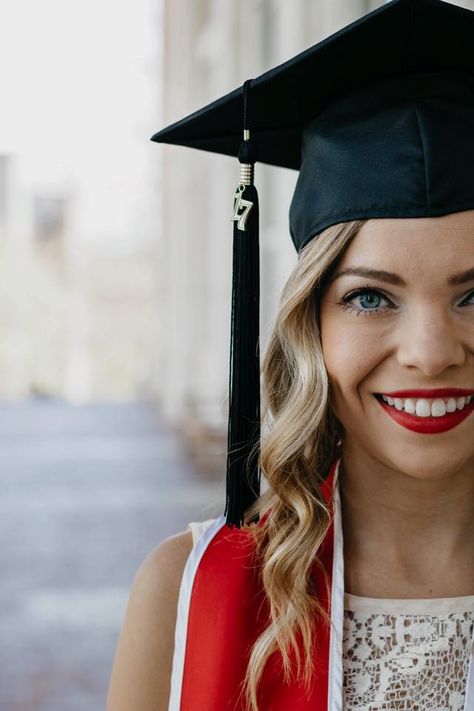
{"x":406,"y":534}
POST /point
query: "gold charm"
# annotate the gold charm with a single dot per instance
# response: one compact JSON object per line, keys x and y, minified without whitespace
{"x":239,"y":204}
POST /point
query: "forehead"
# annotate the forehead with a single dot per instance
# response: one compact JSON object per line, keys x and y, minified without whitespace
{"x":411,"y":242}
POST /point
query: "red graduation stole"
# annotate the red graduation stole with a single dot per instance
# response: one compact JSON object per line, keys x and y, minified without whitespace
{"x":221,"y":612}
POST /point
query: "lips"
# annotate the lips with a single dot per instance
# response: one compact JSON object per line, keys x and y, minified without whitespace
{"x":428,"y":425}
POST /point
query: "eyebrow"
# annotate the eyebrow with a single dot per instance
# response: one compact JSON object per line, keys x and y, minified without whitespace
{"x":392,"y":278}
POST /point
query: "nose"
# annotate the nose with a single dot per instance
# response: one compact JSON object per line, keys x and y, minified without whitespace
{"x":431,"y":341}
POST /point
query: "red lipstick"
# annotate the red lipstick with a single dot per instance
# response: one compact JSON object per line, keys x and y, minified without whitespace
{"x":428,"y":425}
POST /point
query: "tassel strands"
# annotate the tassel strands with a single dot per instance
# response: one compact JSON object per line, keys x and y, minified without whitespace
{"x":243,"y":445}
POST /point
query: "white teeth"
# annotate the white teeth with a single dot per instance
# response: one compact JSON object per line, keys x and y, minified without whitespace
{"x":422,"y":408}
{"x":451,"y":405}
{"x":438,"y":408}
{"x":425,"y":407}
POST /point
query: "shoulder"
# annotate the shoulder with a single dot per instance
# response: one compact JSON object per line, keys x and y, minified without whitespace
{"x":142,"y":666}
{"x":158,"y":577}
{"x":166,"y":560}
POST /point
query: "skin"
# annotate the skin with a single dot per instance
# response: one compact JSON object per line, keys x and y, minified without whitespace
{"x":407,"y":499}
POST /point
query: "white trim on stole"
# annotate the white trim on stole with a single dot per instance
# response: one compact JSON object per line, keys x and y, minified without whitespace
{"x":469,"y":702}
{"x":184,"y":601}
{"x":335,"y":672}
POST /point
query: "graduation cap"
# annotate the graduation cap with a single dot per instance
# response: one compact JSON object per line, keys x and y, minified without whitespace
{"x":378,"y":118}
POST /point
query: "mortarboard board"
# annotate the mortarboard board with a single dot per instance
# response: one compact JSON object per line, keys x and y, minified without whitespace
{"x":378,"y":118}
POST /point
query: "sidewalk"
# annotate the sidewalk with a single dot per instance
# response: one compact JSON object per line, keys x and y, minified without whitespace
{"x":86,"y":493}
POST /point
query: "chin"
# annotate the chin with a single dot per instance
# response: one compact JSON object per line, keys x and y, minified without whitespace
{"x":441,"y":461}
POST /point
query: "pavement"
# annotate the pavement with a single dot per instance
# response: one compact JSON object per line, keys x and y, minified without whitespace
{"x":85,"y":493}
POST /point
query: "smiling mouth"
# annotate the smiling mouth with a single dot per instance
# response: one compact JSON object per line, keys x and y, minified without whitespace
{"x":427,"y":415}
{"x":426,"y":407}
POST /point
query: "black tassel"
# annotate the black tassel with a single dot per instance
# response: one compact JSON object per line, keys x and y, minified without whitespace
{"x":243,"y":446}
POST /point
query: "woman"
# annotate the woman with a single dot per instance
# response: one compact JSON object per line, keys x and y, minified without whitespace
{"x":368,"y":379}
{"x":407,"y":499}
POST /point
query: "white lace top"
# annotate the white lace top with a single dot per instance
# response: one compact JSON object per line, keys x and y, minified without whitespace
{"x":403,"y":655}
{"x":406,"y":654}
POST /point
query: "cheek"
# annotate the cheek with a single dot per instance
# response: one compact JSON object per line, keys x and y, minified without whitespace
{"x":348,"y":366}
{"x":349,"y":352}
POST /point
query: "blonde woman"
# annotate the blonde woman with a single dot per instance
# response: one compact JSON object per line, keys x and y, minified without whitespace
{"x":350,"y":584}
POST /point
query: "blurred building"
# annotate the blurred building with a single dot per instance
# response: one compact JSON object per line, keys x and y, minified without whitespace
{"x":211,"y":47}
{"x":80,"y":204}
{"x":32,"y":325}
{"x":77,"y":316}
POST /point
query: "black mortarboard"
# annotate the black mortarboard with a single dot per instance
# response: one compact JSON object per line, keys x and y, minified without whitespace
{"x":379,"y":120}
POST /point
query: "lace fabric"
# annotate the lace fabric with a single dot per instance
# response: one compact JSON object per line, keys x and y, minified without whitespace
{"x":406,"y":655}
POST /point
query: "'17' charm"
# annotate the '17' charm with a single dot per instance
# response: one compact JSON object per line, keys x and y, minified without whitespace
{"x":241,"y":208}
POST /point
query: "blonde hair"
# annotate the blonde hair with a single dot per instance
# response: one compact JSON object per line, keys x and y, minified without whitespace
{"x":296,"y":452}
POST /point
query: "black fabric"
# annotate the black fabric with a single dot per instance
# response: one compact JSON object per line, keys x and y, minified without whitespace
{"x":243,"y":437}
{"x":404,"y":148}
{"x":398,"y":38}
{"x":378,"y":118}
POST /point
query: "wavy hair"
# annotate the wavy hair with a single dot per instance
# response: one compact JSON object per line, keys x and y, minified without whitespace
{"x":297,"y":448}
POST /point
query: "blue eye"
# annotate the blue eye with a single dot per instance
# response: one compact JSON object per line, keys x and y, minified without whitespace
{"x":369,"y":301}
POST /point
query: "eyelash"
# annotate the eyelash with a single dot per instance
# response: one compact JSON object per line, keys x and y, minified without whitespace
{"x":347,"y":306}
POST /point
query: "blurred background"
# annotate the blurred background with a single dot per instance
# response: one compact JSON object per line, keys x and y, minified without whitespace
{"x":115,"y":280}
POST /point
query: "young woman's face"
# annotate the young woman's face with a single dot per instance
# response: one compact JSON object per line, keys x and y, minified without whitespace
{"x":409,"y":327}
